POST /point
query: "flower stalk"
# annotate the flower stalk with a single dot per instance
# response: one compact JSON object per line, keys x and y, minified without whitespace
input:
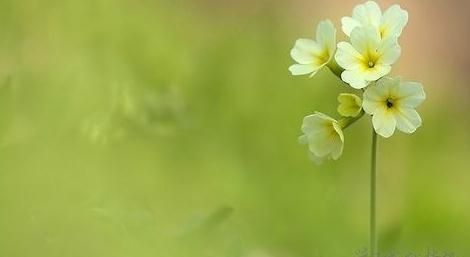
{"x":373,"y":195}
{"x":335,"y":68}
{"x":348,"y":121}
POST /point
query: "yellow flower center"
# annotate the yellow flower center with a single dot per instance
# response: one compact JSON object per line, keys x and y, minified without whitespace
{"x":323,"y":57}
{"x":389,"y":103}
{"x":370,"y":59}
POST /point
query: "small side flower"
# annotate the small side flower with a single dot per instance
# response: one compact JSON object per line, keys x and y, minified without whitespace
{"x":323,"y":135}
{"x":350,"y":105}
{"x":392,"y":104}
{"x":312,"y":55}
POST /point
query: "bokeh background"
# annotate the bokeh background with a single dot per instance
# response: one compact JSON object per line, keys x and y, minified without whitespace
{"x":169,"y":129}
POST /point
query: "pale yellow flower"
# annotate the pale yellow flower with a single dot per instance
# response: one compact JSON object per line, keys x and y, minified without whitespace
{"x":312,"y":55}
{"x":389,"y":24}
{"x":392,"y":104}
{"x":323,"y":135}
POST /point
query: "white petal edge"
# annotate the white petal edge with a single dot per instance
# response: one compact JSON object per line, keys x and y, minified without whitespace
{"x":302,"y":69}
{"x":394,"y":20}
{"x":355,"y":78}
{"x":411,"y":94}
{"x":347,"y":57}
{"x":301,"y":56}
{"x":348,"y":24}
{"x":389,"y":51}
{"x":384,"y":122}
{"x":408,"y":120}
{"x":368,"y":13}
{"x":365,"y":39}
{"x":326,"y":36}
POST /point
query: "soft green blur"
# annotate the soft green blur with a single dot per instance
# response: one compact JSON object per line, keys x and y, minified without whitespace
{"x":169,"y":129}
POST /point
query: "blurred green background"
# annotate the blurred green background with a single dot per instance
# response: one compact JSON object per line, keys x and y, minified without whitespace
{"x":169,"y":129}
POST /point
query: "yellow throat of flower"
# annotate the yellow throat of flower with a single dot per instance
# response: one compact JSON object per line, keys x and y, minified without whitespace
{"x":370,"y":59}
{"x":323,"y":57}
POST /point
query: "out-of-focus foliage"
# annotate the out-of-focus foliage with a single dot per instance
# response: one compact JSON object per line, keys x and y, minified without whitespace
{"x":169,"y":128}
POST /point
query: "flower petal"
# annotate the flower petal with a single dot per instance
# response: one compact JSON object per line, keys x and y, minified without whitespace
{"x":347,"y":57}
{"x":315,"y":122}
{"x":389,"y":51}
{"x":308,"y":45}
{"x":301,"y":56}
{"x":384,"y":122}
{"x":368,"y":13}
{"x":305,"y":50}
{"x":411,"y":94}
{"x":338,"y":143}
{"x":377,"y":72}
{"x":303,"y":139}
{"x":348,"y":24}
{"x":302,"y":69}
{"x":326,"y":36}
{"x":387,"y":84}
{"x":322,"y":144}
{"x":365,"y":39}
{"x":374,"y":98}
{"x":355,"y":78}
{"x":316,"y":159}
{"x":408,"y":120}
{"x":394,"y":20}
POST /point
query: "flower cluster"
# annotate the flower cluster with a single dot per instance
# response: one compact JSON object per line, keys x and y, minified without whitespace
{"x":364,"y":63}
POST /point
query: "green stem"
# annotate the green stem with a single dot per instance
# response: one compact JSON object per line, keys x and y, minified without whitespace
{"x":373,"y":178}
{"x":348,"y":121}
{"x":335,"y":68}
